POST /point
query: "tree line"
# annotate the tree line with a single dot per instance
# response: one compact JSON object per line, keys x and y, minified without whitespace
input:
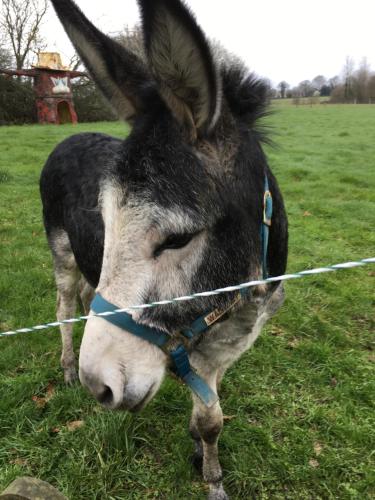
{"x":355,"y":85}
{"x":20,"y":41}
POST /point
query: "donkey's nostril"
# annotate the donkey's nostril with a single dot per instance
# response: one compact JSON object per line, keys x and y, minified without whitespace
{"x":105,"y":387}
{"x":106,"y":397}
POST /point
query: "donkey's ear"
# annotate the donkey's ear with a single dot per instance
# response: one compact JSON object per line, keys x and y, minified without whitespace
{"x":118,"y":73}
{"x":181,"y":61}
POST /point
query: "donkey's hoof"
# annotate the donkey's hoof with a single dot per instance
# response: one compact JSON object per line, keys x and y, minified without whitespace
{"x":70,"y":376}
{"x":217,"y":493}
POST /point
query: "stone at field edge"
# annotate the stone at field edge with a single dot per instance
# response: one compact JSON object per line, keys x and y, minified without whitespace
{"x":30,"y":488}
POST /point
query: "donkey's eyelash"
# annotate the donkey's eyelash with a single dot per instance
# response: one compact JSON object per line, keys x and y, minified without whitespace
{"x":174,"y":242}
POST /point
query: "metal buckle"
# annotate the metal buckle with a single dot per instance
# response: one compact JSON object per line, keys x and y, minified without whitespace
{"x":267,"y":196}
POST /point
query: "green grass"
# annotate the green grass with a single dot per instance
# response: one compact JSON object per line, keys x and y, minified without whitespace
{"x":302,"y":400}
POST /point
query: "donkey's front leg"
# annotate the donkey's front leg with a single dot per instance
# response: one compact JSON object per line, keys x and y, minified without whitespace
{"x":86,"y":294}
{"x":205,"y":427}
{"x":67,"y":278}
{"x":66,"y":308}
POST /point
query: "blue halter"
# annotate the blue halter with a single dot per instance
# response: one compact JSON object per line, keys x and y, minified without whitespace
{"x":179,"y":358}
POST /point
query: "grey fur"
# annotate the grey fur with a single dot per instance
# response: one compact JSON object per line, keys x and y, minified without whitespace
{"x":175,"y":208}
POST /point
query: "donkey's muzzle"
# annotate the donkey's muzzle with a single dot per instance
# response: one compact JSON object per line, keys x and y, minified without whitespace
{"x":116,"y":394}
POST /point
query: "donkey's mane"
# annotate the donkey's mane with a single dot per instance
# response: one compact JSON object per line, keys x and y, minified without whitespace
{"x":245,"y":92}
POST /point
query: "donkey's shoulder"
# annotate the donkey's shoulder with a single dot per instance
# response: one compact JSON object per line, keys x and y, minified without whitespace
{"x":86,"y":143}
{"x":85,"y":155}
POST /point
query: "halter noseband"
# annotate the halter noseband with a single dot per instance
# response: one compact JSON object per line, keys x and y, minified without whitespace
{"x":178,"y":356}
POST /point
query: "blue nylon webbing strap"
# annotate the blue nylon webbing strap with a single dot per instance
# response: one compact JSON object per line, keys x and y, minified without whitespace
{"x":266,"y":223}
{"x":181,"y":365}
{"x":126,"y":322}
{"x":198,"y":326}
{"x":183,"y":370}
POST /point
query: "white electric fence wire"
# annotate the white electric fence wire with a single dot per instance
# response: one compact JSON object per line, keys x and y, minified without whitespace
{"x":285,"y":277}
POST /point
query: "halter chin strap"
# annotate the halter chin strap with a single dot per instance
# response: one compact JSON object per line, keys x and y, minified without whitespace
{"x":178,"y":356}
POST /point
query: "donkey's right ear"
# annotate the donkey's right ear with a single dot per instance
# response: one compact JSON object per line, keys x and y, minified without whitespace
{"x":182,"y":63}
{"x":119,"y":73}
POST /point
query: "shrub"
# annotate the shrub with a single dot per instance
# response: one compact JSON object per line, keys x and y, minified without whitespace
{"x":17,"y":102}
{"x":89,"y":103}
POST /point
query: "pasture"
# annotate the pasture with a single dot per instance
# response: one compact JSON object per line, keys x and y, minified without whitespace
{"x":300,"y":406}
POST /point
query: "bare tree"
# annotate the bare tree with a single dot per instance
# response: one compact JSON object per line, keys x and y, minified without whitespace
{"x":318,"y":82}
{"x":20,"y":20}
{"x":371,"y":89}
{"x":306,"y":88}
{"x":6,"y":59}
{"x":348,"y":77}
{"x":338,"y":94}
{"x":132,"y":39}
{"x":362,"y":78}
{"x":283,"y":87}
{"x":75,"y":62}
{"x":271,"y":92}
{"x":334,"y":82}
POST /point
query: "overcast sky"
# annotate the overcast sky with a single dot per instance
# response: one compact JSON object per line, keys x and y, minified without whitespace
{"x":287,"y":40}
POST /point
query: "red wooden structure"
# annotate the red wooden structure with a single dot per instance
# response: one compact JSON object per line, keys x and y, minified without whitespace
{"x":53,"y":90}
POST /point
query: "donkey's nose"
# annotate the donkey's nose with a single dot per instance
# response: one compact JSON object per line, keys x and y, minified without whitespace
{"x":109,"y":393}
{"x":112,"y":392}
{"x":106,"y":397}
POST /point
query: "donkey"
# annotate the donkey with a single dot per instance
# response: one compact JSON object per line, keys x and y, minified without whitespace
{"x":180,"y":206}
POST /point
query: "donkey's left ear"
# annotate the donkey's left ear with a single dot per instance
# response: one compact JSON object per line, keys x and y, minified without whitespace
{"x":181,"y":61}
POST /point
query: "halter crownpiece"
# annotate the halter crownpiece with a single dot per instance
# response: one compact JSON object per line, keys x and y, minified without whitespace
{"x":178,"y":356}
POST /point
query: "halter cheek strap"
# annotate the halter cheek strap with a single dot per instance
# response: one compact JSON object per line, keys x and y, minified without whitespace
{"x":179,"y":358}
{"x":266,"y":224}
{"x":180,"y":364}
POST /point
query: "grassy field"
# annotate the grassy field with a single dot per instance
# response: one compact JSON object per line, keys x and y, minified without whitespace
{"x":300,"y":404}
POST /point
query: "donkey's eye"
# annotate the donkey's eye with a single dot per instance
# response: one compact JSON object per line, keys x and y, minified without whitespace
{"x":174,"y":242}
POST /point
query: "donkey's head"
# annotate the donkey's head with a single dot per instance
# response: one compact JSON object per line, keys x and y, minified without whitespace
{"x":181,"y":203}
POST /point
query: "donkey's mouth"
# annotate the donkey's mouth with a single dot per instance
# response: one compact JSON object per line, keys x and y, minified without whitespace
{"x":139,"y":406}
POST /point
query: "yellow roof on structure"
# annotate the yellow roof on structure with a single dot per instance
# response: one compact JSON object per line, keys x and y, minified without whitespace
{"x":50,"y":60}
